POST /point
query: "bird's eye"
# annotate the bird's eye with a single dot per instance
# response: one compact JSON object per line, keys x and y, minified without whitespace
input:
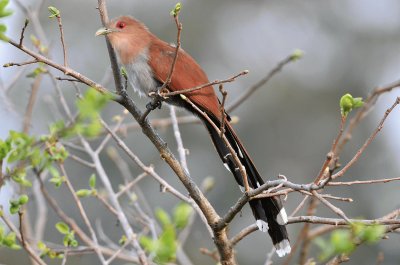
{"x":121,"y":24}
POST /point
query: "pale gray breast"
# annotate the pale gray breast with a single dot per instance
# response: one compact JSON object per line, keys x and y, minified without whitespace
{"x":140,"y":75}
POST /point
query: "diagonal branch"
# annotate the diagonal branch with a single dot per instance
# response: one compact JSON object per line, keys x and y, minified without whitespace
{"x":368,"y":141}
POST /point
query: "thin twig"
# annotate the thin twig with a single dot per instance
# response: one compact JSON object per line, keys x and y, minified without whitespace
{"x":113,"y":257}
{"x":20,"y":64}
{"x":62,"y":42}
{"x":178,"y":138}
{"x":367,"y":142}
{"x":260,"y":83}
{"x":151,"y":172}
{"x":68,"y":79}
{"x":242,"y":234}
{"x":114,"y":200}
{"x":302,"y":240}
{"x":31,"y":103}
{"x":41,"y":211}
{"x":21,"y":39}
{"x":340,"y":221}
{"x":358,"y":182}
{"x":75,"y":227}
{"x":21,"y":229}
{"x":216,"y":82}
{"x":177,"y":47}
{"x":331,"y":206}
{"x":83,"y":214}
{"x":68,"y":71}
{"x":301,"y":204}
{"x":26,"y":246}
{"x":81,"y":161}
{"x":131,"y":184}
{"x":106,"y":204}
{"x":222,"y":109}
{"x":364,"y":110}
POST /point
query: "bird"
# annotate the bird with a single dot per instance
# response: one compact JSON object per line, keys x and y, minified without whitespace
{"x":147,"y":60}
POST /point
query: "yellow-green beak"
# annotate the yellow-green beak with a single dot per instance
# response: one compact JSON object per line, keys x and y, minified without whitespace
{"x":104,"y":31}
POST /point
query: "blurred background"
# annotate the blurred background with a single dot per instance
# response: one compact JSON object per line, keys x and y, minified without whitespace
{"x":288,"y":125}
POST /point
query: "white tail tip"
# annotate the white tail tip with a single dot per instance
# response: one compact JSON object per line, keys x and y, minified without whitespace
{"x":283,"y":248}
{"x":262,"y":225}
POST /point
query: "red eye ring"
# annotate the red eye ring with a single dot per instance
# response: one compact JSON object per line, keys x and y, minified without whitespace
{"x":121,"y":24}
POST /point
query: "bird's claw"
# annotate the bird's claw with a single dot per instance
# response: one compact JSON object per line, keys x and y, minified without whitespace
{"x":152,"y":105}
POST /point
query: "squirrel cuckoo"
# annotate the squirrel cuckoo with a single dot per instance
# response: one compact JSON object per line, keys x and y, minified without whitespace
{"x":148,"y":60}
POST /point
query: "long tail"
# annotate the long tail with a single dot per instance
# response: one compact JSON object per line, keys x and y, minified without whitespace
{"x":269,"y":214}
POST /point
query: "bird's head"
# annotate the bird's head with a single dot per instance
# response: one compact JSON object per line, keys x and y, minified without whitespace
{"x":127,"y":35}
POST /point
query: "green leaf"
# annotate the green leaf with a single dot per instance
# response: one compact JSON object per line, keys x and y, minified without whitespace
{"x":326,"y":249}
{"x":92,"y":181}
{"x":163,"y":217}
{"x":19,"y":176}
{"x":39,"y":70}
{"x":166,"y":251}
{"x":41,"y":246}
{"x":14,"y":206}
{"x":74,"y":243}
{"x":36,"y":157}
{"x":3,"y":30}
{"x":148,"y":244}
{"x":10,"y":241}
{"x":296,"y":55}
{"x":357,"y":102}
{"x":57,"y":181}
{"x":4,"y":149}
{"x":123,"y":240}
{"x":84,"y":193}
{"x":92,"y":103}
{"x":62,"y":227}
{"x":373,"y":233}
{"x":1,"y":234}
{"x":3,"y":11}
{"x":58,"y":153}
{"x":66,"y":241}
{"x":54,"y":12}
{"x":53,"y":171}
{"x":342,"y":241}
{"x":174,"y":12}
{"x":23,"y":199}
{"x":92,"y":129}
{"x":348,"y":103}
{"x":181,"y":215}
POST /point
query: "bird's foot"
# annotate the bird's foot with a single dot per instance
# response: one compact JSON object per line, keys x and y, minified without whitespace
{"x":152,"y":105}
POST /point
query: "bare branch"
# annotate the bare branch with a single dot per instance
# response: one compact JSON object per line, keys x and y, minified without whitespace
{"x":358,"y":182}
{"x":178,"y":138}
{"x":222,"y":109}
{"x":260,"y":83}
{"x":367,"y":142}
{"x":25,"y":245}
{"x":83,"y":214}
{"x":216,"y":82}
{"x":62,"y":42}
{"x":21,"y":39}
{"x":178,"y":45}
{"x":69,"y":71}
{"x":20,"y":64}
{"x":362,"y":113}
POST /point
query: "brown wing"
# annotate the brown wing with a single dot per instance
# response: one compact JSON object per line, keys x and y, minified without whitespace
{"x":187,"y":74}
